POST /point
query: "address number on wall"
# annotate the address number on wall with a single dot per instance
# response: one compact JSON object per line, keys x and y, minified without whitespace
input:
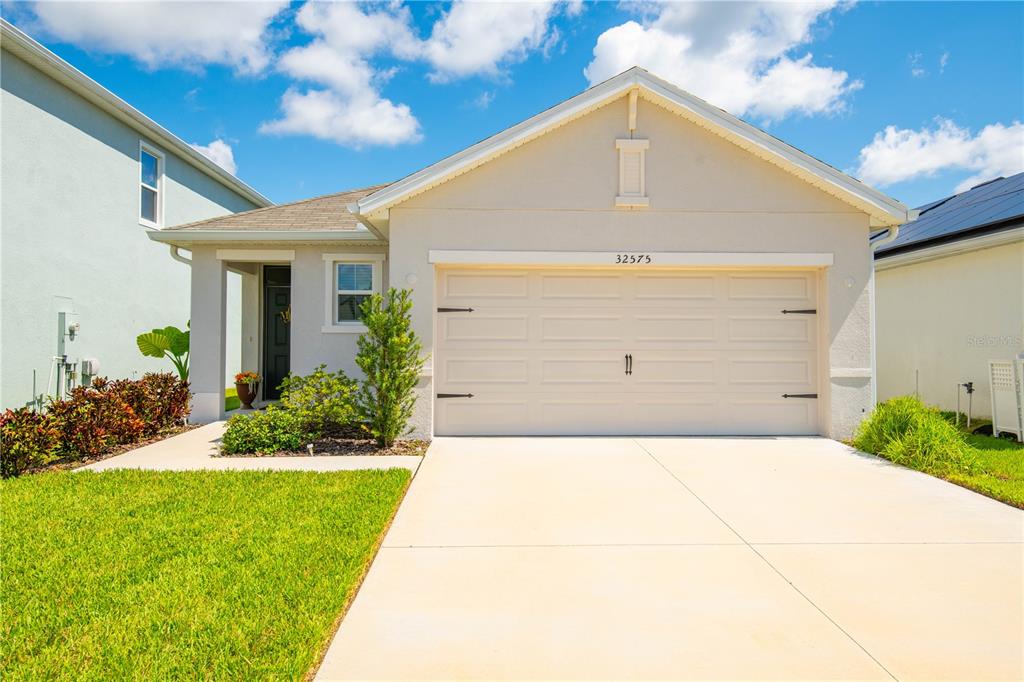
{"x":633,"y":258}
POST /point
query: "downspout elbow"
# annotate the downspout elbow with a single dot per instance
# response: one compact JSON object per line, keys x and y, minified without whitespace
{"x":176,"y":255}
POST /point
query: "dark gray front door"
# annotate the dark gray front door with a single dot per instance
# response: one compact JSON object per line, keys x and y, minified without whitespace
{"x":277,"y":313}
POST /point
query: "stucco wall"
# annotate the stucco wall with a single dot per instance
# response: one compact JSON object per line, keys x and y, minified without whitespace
{"x":557,"y":193}
{"x":941,"y":321}
{"x":71,"y":239}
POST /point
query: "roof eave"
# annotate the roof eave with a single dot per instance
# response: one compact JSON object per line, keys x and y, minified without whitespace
{"x":186,"y":237}
{"x":22,"y":45}
{"x":883,"y":210}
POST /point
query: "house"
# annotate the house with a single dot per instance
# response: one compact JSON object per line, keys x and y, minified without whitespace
{"x":85,"y":177}
{"x":951,"y":296}
{"x":632,"y":260}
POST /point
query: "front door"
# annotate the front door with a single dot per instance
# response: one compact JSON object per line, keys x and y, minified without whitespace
{"x":277,"y":318}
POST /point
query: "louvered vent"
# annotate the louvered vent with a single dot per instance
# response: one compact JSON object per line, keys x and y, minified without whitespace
{"x":632,"y":180}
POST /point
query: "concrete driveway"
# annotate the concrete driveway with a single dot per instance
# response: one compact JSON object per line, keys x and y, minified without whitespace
{"x":673,"y":558}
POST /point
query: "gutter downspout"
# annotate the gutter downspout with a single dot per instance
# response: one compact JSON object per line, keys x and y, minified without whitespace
{"x":176,"y":255}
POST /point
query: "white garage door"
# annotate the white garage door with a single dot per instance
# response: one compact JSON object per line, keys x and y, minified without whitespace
{"x":566,"y":352}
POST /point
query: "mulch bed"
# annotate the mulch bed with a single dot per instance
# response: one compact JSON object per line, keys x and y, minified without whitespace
{"x":345,"y":442}
{"x":74,"y":461}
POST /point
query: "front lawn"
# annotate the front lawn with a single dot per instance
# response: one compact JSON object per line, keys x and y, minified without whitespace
{"x":231,"y":400}
{"x":169,"y":575}
{"x":999,"y":470}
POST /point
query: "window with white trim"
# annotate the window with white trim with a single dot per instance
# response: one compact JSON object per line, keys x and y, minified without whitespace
{"x":351,"y":280}
{"x":151,"y":180}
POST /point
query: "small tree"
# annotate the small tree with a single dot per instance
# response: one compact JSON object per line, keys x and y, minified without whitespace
{"x":389,"y":355}
{"x":169,"y":342}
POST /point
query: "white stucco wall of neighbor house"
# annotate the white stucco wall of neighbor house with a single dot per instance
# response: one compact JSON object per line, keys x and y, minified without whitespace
{"x":940,"y":321}
{"x":71,"y":239}
{"x":557,"y":193}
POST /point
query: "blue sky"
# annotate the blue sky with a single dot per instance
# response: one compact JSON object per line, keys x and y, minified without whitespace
{"x":919,"y":99}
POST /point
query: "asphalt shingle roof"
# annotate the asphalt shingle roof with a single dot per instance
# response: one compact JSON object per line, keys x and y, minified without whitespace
{"x":329,"y":212}
{"x":989,"y":204}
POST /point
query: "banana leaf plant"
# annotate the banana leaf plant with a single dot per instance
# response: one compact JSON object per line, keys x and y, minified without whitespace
{"x":169,"y":342}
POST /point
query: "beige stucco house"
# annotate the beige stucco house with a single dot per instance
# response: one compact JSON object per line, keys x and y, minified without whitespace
{"x":951,"y":296}
{"x":630,"y":261}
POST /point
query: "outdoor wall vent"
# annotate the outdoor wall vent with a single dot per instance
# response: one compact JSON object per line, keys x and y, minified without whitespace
{"x":632,"y":174}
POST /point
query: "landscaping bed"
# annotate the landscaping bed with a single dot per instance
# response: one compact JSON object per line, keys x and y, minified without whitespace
{"x":76,"y":460}
{"x":169,"y":575}
{"x":342,"y":442}
{"x":912,"y":434}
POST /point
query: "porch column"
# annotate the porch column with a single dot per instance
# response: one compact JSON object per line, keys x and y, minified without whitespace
{"x":207,"y":356}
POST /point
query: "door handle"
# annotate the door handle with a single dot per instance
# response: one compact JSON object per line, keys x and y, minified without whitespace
{"x":629,"y":363}
{"x":626,"y":358}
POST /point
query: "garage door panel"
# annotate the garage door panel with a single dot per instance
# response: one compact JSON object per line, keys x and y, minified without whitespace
{"x":786,"y":288}
{"x":482,"y":285}
{"x":544,"y":352}
{"x":581,"y":328}
{"x":469,"y":328}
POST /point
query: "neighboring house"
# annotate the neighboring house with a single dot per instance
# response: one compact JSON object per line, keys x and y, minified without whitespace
{"x":630,"y":261}
{"x":84,"y":177}
{"x":951,"y":296}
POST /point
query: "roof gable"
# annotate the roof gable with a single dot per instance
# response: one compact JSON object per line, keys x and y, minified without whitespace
{"x":882,"y":209}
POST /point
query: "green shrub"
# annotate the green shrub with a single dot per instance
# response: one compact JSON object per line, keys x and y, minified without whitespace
{"x":389,"y":355}
{"x":906,"y":431}
{"x":159,"y":400}
{"x":322,"y":400}
{"x":264,"y":432}
{"x":27,"y":439}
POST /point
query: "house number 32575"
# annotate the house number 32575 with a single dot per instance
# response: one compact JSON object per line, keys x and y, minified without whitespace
{"x":632,"y":258}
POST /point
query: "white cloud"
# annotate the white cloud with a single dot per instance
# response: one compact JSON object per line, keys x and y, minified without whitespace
{"x":349,"y":107}
{"x":736,"y":55}
{"x":916,"y":70}
{"x":479,"y":37}
{"x":943,"y":60}
{"x":167,"y":33}
{"x":220,"y":153}
{"x":898,"y":154}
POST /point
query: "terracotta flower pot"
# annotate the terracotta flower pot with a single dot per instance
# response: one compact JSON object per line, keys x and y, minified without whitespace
{"x":247,"y":393}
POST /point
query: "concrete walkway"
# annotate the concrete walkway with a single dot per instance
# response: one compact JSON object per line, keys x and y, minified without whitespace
{"x":197,"y":449}
{"x":671,"y":558}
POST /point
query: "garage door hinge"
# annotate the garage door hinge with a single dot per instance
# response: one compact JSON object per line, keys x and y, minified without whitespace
{"x":454,"y":395}
{"x":454,"y":310}
{"x":807,"y":311}
{"x":799,"y":395}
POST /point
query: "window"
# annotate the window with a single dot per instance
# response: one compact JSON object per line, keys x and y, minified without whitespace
{"x":151,"y":173}
{"x":351,"y":280}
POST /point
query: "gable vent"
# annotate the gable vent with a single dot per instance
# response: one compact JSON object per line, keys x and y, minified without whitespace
{"x":632,"y":176}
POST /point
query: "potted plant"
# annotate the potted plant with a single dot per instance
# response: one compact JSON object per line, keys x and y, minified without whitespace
{"x":248,"y":386}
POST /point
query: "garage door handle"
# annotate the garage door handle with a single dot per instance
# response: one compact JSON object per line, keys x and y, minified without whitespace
{"x":799,"y":395}
{"x":454,"y":395}
{"x":629,"y":363}
{"x":454,"y":310}
{"x":807,"y":311}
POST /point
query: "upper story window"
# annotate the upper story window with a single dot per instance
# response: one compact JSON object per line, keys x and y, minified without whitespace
{"x":151,"y":180}
{"x":352,"y":278}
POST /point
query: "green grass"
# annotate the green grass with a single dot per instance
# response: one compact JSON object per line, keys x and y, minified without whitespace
{"x":231,"y":401}
{"x":138,"y":575}
{"x":998,"y":472}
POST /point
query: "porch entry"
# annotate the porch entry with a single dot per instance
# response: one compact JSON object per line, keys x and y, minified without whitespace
{"x":277,"y":310}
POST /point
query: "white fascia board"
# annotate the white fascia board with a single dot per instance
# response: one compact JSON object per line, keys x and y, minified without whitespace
{"x":212,"y":236}
{"x":20,"y":44}
{"x":882,"y":208}
{"x":630,"y":259}
{"x":987,"y":241}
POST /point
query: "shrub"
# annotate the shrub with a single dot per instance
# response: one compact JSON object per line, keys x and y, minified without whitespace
{"x":27,"y":439}
{"x":94,"y":420}
{"x":907,"y":432}
{"x":322,"y":400}
{"x":265,"y":432}
{"x":159,"y":400}
{"x":389,"y":355}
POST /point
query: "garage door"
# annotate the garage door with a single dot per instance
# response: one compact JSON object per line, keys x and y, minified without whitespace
{"x":577,"y":352}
